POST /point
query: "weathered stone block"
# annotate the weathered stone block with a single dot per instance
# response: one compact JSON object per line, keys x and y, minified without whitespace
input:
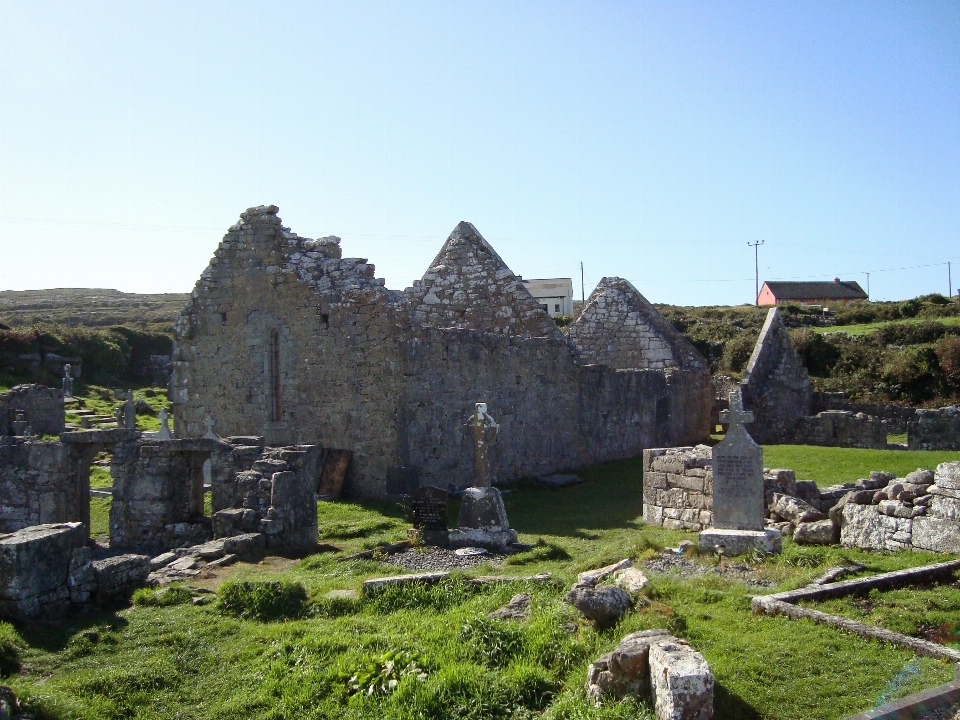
{"x":740,"y":542}
{"x":819,"y":532}
{"x":681,"y":682}
{"x":626,"y":670}
{"x":936,"y":534}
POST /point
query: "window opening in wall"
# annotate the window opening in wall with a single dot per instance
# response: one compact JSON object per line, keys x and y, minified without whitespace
{"x":545,"y":308}
{"x":556,"y":307}
{"x":273,"y":362}
{"x":325,"y":320}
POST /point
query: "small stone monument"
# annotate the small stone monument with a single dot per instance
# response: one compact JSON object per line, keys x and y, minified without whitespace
{"x":210,"y":434}
{"x":483,"y":517}
{"x":164,"y":433}
{"x":429,"y":506}
{"x":67,"y":381}
{"x":738,"y":491}
{"x":129,"y":412}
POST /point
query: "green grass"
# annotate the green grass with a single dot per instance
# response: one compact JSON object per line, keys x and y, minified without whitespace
{"x":160,"y":660}
{"x":99,"y":516}
{"x":829,"y":466}
{"x":92,"y":400}
{"x":865,"y":328}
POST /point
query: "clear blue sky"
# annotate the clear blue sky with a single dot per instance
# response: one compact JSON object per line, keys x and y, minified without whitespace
{"x":651,"y":140}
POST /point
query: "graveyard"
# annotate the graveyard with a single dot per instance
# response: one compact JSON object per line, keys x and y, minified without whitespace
{"x":437,"y":503}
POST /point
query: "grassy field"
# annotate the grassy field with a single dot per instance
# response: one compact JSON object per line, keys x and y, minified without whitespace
{"x":829,"y":466}
{"x":865,"y":328}
{"x":186,"y":661}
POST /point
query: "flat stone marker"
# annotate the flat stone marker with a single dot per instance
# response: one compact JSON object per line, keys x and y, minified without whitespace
{"x":738,"y":474}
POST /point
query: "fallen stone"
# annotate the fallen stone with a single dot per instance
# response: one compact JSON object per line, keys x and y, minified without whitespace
{"x":603,"y":605}
{"x":894,"y":490}
{"x":820,"y":532}
{"x":119,"y":575}
{"x":185,"y":563}
{"x":626,"y":670}
{"x":517,"y":609}
{"x":741,"y":542}
{"x":795,"y":510}
{"x":920,"y":477}
{"x":878,"y":479}
{"x":374,"y":584}
{"x":861,"y":527}
{"x":223,"y":561}
{"x":592,"y":577}
{"x":681,"y":682}
{"x":244,"y":545}
{"x":210,"y":550}
{"x":936,"y":534}
{"x":879,"y":496}
{"x":162,"y":560}
{"x":631,"y":580}
{"x":786,"y":528}
{"x":948,"y":475}
{"x":808,"y":491}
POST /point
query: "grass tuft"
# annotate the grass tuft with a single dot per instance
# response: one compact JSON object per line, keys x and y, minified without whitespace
{"x":264,"y":601}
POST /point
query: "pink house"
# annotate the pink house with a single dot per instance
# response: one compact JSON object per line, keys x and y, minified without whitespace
{"x":777,"y":292}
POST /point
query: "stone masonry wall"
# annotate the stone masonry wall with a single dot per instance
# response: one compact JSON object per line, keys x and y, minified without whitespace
{"x":935,"y":430}
{"x":621,"y":329}
{"x":678,"y":487}
{"x":393,"y":376}
{"x":897,"y":416}
{"x":775,"y":383}
{"x":39,"y":484}
{"x":42,"y":408}
{"x":838,"y":428}
{"x":468,"y":286}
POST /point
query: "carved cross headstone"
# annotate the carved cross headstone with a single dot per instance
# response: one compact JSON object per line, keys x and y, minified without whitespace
{"x":129,"y":412}
{"x":164,"y":433}
{"x":210,"y":434}
{"x":737,"y":473}
{"x":485,"y":430}
{"x":67,"y":381}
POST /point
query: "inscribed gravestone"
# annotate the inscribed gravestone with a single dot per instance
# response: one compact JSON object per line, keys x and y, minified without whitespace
{"x":429,"y":508}
{"x":738,"y":475}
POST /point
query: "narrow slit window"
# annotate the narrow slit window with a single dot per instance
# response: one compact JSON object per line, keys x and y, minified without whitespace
{"x":273,"y":365}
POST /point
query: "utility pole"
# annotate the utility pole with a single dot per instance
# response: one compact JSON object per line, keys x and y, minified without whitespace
{"x":949,"y":282}
{"x":756,"y":270}
{"x":583,"y":297}
{"x":868,"y":285}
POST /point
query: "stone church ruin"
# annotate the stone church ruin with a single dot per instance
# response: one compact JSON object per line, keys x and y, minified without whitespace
{"x":286,"y":339}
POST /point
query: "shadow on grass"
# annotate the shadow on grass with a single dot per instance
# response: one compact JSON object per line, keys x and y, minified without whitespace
{"x":730,"y":706}
{"x":55,"y":635}
{"x":611,"y":497}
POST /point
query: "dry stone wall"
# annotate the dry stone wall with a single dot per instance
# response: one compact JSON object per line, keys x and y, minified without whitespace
{"x":40,"y":483}
{"x":840,"y":428}
{"x":935,"y":430}
{"x":285,"y":339}
{"x":678,"y":487}
{"x":42,"y":408}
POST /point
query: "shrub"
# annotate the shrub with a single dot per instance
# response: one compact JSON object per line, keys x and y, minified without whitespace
{"x":164,"y":597}
{"x":948,"y":354}
{"x":266,"y":600}
{"x":421,"y":596}
{"x":737,"y":352}
{"x":381,"y":675}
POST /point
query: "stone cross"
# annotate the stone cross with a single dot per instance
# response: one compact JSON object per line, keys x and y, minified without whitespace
{"x":738,"y":474}
{"x":485,"y":430}
{"x":210,"y":434}
{"x":129,"y":412}
{"x":67,"y":381}
{"x":736,"y":415}
{"x":164,"y":433}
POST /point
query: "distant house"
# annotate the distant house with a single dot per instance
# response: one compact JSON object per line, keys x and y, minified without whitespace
{"x":555,"y":295}
{"x":776,"y":292}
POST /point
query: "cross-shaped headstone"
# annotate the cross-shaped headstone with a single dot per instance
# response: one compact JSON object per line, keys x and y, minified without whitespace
{"x":485,"y":430}
{"x":164,"y":433}
{"x":736,"y":415}
{"x":210,"y":434}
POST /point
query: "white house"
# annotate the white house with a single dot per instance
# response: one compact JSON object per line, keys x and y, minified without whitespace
{"x":555,"y":295}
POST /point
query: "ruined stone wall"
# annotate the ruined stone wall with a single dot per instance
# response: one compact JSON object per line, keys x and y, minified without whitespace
{"x":158,"y":493}
{"x":39,"y":483}
{"x":775,"y":384}
{"x":678,"y":487}
{"x":935,"y":430}
{"x":621,"y":329}
{"x":837,"y":428}
{"x":338,"y":331}
{"x":468,"y":286}
{"x":897,"y":416}
{"x":42,"y":408}
{"x":393,"y":377}
{"x":911,"y":515}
